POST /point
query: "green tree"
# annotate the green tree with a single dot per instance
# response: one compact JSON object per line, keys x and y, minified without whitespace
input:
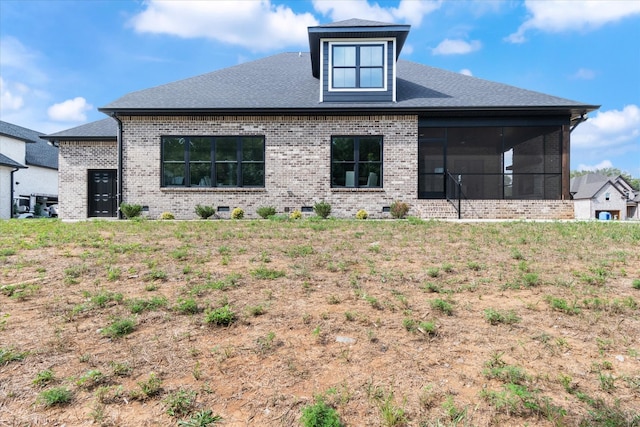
{"x":612,"y":172}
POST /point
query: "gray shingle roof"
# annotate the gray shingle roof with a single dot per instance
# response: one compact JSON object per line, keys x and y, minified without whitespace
{"x":284,"y":83}
{"x":38,"y":151}
{"x":587,"y":186}
{"x":105,"y":129}
{"x":9,"y":162}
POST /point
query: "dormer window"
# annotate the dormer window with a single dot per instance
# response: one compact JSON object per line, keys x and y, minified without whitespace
{"x":355,"y":60}
{"x":359,"y":66}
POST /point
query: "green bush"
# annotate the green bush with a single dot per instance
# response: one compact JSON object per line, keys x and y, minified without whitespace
{"x":205,"y":212}
{"x":322,"y":209}
{"x":266,"y":211}
{"x":237,"y":213}
{"x":399,"y":209}
{"x":180,"y":402}
{"x":320,"y":415}
{"x":130,"y":210}
{"x":362,"y":214}
{"x":222,"y":316}
{"x":56,"y":396}
{"x":119,"y":328}
{"x":635,"y":284}
{"x":166,"y":215}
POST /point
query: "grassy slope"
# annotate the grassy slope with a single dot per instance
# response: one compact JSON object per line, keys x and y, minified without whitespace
{"x":469,"y":323}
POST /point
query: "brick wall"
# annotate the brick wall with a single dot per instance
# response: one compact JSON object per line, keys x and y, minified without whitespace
{"x":297,"y":169}
{"x":297,"y":163}
{"x":75,"y":159}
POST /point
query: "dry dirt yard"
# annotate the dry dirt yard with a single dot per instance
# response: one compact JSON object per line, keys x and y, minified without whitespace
{"x":391,"y":323}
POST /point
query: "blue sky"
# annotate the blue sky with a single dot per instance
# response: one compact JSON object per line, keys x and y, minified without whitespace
{"x":62,"y":60}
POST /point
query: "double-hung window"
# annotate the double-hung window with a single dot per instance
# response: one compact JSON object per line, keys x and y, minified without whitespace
{"x":356,"y":161}
{"x":357,"y":66}
{"x":222,"y":161}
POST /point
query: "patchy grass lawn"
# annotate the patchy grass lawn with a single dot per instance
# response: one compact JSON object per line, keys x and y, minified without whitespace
{"x":276,"y":323}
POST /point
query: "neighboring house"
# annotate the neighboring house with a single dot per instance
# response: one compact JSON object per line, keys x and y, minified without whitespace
{"x":603,"y":197}
{"x":28,"y":170}
{"x":8,"y":168}
{"x":347,"y":123}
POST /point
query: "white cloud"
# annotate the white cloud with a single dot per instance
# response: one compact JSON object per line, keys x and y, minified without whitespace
{"x":256,"y":25}
{"x":608,"y":129}
{"x":456,"y":47}
{"x":584,"y":74}
{"x":71,"y":110}
{"x":11,"y":99}
{"x":571,"y":15}
{"x":409,"y":11}
{"x":602,"y":165}
{"x":466,"y":72}
{"x":19,"y":61}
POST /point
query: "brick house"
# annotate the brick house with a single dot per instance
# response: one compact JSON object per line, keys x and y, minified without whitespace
{"x":604,"y":197}
{"x":347,"y":123}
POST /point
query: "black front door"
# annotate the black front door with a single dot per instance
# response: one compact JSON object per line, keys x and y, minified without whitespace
{"x":102,"y":193}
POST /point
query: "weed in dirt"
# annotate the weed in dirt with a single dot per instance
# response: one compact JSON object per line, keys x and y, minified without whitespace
{"x":433,"y":272}
{"x":300,"y":251}
{"x":447,"y":267}
{"x":43,"y":378}
{"x":256,"y":310}
{"x":518,"y":400}
{"x":392,"y":415}
{"x":474,"y":266}
{"x":607,"y":382}
{"x":560,"y":304}
{"x":91,"y":379}
{"x":202,"y":418}
{"x":104,"y":297}
{"x":333,"y":299}
{"x":635,"y":284}
{"x":3,"y":321}
{"x":155,"y":274}
{"x":320,"y":414}
{"x":443,"y":306}
{"x":455,"y":414}
{"x":516,"y":254}
{"x":121,"y":369}
{"x":266,"y":273}
{"x":495,"y":317}
{"x":56,"y":396}
{"x":20,"y":292}
{"x":119,"y":328}
{"x":179,"y":403}
{"x":187,"y":306}
{"x":373,"y":302}
{"x":137,"y":305}
{"x":433,"y":287}
{"x":113,"y":273}
{"x":9,"y":354}
{"x":265,"y":344}
{"x":150,"y":387}
{"x":221,"y":316}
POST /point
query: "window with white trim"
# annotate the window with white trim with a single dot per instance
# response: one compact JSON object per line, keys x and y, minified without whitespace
{"x":356,"y":66}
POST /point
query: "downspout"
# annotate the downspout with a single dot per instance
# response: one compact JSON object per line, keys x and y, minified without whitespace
{"x":120,"y":160}
{"x":11,"y":191}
